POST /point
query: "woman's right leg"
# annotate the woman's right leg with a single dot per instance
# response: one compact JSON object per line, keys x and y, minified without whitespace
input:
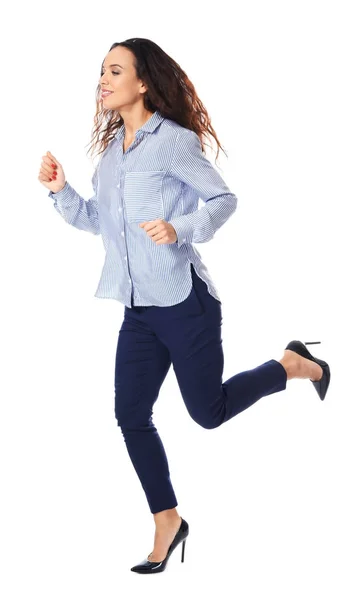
{"x":142,"y":363}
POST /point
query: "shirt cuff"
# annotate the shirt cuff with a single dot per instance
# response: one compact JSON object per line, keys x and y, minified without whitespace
{"x":63,"y":194}
{"x":183,"y":228}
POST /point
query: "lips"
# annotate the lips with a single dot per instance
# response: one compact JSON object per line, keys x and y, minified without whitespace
{"x":106,"y":93}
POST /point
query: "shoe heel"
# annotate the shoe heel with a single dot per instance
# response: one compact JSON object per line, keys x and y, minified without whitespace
{"x":183,"y":548}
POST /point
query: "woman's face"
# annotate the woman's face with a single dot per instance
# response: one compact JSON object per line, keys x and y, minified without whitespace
{"x":120,"y":79}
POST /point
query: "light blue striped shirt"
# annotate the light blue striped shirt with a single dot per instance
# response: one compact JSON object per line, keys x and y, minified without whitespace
{"x":162,"y":175}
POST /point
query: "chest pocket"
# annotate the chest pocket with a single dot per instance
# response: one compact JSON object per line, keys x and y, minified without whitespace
{"x":143,"y":195}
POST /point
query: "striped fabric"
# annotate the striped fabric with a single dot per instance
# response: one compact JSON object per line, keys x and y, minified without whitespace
{"x":161,"y":175}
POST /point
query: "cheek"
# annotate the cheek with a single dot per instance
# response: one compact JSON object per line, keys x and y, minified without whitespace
{"x":126,"y":84}
{"x":120,"y":86}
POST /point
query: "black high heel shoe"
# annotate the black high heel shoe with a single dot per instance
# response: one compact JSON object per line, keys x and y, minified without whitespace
{"x":147,"y":566}
{"x":322,"y":384}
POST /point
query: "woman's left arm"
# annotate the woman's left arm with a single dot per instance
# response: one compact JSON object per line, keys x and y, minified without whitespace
{"x":191,"y":166}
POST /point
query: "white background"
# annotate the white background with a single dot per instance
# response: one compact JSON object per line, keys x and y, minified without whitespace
{"x":272,"y":497}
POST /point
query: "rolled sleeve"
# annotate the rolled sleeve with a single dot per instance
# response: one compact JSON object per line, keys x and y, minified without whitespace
{"x":190,"y":166}
{"x":75,"y":210}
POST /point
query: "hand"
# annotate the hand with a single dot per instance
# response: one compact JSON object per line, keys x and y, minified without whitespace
{"x":160,"y":231}
{"x":47,"y":168}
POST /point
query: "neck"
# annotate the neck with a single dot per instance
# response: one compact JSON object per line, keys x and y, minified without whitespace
{"x":133,"y":119}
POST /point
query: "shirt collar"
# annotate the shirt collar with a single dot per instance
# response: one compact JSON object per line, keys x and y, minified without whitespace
{"x":149,"y":126}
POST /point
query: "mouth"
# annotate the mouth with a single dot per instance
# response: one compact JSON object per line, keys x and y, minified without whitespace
{"x":106,"y":93}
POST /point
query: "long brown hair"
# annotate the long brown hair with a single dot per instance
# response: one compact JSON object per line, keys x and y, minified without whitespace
{"x":168,"y":90}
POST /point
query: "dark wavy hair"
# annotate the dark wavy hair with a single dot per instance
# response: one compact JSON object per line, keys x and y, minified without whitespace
{"x":168,"y":90}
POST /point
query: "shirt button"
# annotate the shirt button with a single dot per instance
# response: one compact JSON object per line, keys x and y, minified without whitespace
{"x":184,"y":239}
{"x":118,"y":185}
{"x":129,"y":280}
{"x":123,"y":233}
{"x":125,"y":257}
{"x":120,"y":209}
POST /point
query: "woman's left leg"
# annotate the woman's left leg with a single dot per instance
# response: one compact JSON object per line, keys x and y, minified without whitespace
{"x":194,"y":343}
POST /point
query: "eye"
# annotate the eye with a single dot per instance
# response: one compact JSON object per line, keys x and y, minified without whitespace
{"x":114,"y":73}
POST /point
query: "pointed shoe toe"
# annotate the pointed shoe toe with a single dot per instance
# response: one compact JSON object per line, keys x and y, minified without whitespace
{"x":147,"y":566}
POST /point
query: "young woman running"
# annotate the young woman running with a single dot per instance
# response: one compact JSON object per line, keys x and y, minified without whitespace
{"x":150,"y":125}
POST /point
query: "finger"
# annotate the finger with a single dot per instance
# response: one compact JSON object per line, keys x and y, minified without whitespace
{"x":43,"y":177}
{"x":56,"y":162}
{"x":50,"y":175}
{"x":47,"y":169}
{"x":151,"y":224}
{"x":159,"y":236}
{"x":154,"y":227}
{"x":51,"y":164}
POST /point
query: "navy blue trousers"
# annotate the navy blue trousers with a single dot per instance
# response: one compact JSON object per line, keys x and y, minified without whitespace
{"x":187,"y":335}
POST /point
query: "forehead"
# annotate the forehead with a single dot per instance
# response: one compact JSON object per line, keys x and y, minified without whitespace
{"x":119,"y":55}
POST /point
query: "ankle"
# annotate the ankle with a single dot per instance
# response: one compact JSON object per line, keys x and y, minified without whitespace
{"x":166,"y":517}
{"x":289,"y":367}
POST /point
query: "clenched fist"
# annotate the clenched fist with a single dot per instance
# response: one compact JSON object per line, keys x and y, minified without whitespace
{"x":51,"y":173}
{"x":160,"y":231}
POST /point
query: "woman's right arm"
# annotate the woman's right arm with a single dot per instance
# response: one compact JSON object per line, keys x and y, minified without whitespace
{"x":82,"y":214}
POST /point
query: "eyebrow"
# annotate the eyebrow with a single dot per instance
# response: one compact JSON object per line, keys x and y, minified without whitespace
{"x":115,"y":65}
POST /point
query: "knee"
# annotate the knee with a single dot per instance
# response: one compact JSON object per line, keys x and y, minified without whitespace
{"x":121,"y":421}
{"x":206,"y":421}
{"x":132,"y":417}
{"x":126,"y":409}
{"x":126,"y":418}
{"x":209,"y":425}
{"x":127,"y":421}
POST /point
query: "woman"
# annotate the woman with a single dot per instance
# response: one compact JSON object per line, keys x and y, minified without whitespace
{"x":149,"y":124}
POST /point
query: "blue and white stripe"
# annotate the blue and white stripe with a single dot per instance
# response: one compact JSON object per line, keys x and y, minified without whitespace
{"x":161,"y":175}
